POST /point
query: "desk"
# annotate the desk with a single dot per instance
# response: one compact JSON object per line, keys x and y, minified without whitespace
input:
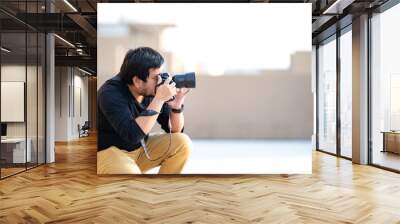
{"x":391,"y":141}
{"x":13,"y":150}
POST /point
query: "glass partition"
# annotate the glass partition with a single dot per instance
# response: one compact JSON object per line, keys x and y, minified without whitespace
{"x":385,"y":89}
{"x":327,"y":96}
{"x":346,"y":93}
{"x":22,"y":79}
{"x":14,"y":144}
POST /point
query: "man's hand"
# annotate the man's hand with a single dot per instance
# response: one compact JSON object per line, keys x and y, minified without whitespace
{"x":177,"y":119}
{"x":166,"y":91}
{"x":179,"y":98}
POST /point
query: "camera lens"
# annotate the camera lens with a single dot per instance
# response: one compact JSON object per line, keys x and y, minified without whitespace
{"x":186,"y":80}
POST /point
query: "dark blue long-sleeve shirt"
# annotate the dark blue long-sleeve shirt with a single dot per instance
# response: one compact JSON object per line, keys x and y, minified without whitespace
{"x":116,"y":114}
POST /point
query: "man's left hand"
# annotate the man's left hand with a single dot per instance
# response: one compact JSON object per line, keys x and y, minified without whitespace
{"x":179,"y":98}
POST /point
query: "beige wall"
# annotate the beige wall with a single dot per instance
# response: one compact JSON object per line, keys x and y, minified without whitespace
{"x":111,"y":50}
{"x":275,"y":105}
{"x":269,"y":106}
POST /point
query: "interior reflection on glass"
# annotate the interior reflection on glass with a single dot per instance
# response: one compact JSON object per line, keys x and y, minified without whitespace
{"x":386,"y":89}
{"x":327,"y":97}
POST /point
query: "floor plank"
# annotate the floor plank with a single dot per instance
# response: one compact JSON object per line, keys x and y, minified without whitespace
{"x":69,"y":191}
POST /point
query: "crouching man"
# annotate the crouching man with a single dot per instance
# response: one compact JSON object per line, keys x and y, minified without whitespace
{"x":129,"y":105}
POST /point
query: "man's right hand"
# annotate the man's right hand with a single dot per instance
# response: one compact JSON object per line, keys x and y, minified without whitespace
{"x":166,"y":91}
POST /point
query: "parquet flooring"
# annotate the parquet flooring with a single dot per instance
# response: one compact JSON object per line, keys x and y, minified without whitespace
{"x":69,"y":191}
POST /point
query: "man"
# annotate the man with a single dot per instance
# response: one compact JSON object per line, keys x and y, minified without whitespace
{"x":129,"y":105}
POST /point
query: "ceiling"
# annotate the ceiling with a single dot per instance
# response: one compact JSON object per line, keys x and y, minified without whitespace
{"x":75,"y":43}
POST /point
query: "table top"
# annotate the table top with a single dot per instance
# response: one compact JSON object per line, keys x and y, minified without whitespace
{"x":391,"y":132}
{"x":13,"y":140}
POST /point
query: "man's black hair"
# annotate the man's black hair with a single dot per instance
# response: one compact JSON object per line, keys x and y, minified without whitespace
{"x":137,"y":62}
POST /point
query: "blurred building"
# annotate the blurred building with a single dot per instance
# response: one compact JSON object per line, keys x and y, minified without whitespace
{"x":256,"y":104}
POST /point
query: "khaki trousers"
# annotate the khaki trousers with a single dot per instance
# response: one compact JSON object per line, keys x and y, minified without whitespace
{"x":119,"y":161}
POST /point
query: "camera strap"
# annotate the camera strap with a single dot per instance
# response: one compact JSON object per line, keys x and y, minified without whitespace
{"x":147,"y":152}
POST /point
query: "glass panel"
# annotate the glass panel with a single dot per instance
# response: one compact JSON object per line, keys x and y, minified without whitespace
{"x":346,"y":94}
{"x":327,"y":97}
{"x":23,"y":82}
{"x":31,"y":100}
{"x":13,"y":86}
{"x":41,"y":98}
{"x":385,"y":89}
{"x":32,"y":88}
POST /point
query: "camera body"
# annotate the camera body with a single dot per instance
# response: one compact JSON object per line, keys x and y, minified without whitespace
{"x":184,"y":80}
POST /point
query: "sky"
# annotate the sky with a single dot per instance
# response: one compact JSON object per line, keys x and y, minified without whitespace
{"x":222,"y":37}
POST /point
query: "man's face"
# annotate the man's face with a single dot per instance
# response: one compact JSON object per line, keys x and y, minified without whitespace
{"x":149,"y":87}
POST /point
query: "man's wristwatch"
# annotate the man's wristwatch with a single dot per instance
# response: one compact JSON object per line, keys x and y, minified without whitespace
{"x":177,"y":110}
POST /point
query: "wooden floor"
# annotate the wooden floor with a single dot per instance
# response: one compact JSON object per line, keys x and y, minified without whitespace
{"x":387,"y":159}
{"x":69,"y":191}
{"x":10,"y":171}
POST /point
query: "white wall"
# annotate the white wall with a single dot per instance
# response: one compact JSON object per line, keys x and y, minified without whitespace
{"x":33,"y":127}
{"x":15,"y":73}
{"x":67,"y":115}
{"x":61,"y":103}
{"x":79,"y":117}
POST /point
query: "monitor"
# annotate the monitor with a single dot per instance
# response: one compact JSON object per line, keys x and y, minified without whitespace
{"x":3,"y":129}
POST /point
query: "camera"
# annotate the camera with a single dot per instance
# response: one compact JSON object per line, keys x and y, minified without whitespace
{"x":184,"y":80}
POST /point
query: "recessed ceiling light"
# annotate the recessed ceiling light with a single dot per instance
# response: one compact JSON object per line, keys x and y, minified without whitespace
{"x":84,"y":71}
{"x":338,"y":6}
{"x":64,"y":40}
{"x":70,"y":5}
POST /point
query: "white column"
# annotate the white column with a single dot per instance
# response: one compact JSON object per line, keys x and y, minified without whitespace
{"x":360,"y":90}
{"x":50,"y":92}
{"x":50,"y":100}
{"x":314,"y":91}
